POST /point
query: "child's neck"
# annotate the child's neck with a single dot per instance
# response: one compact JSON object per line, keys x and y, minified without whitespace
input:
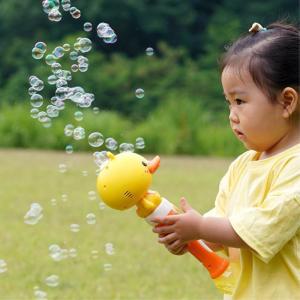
{"x":289,"y":140}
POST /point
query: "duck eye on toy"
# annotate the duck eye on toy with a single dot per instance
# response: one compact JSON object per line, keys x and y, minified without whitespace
{"x":124,"y":183}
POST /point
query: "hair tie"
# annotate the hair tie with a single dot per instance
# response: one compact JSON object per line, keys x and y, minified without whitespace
{"x":256,"y":27}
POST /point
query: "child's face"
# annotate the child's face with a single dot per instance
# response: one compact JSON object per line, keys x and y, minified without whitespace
{"x":255,"y":121}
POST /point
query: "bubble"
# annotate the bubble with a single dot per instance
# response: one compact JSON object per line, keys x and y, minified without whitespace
{"x":50,"y":59}
{"x":105,"y":31}
{"x":139,"y":93}
{"x":53,"y":202}
{"x":66,"y":4}
{"x":34,"y":113}
{"x":102,"y":205}
{"x":110,"y":40}
{"x":47,"y":123}
{"x":3,"y":266}
{"x":83,"y":67}
{"x":94,"y":254}
{"x":73,"y":55}
{"x":79,"y":133}
{"x":52,"y":111}
{"x":100,"y":158}
{"x":92,"y":195}
{"x":52,"y":79}
{"x":37,"y":53}
{"x":91,"y":219}
{"x":87,"y":26}
{"x":68,"y":130}
{"x":85,"y":173}
{"x":58,"y":52}
{"x":52,"y":280}
{"x":126,"y":147}
{"x":67,"y":47}
{"x":149,"y":51}
{"x":78,"y":116}
{"x":42,"y":116}
{"x":34,"y":214}
{"x":75,"y":12}
{"x":64,"y":197}
{"x":62,"y":168}
{"x":36,"y":100}
{"x":72,"y":252}
{"x":109,"y":249}
{"x":82,"y":60}
{"x":75,"y":228}
{"x":96,"y":110}
{"x":39,"y":85}
{"x":139,"y":143}
{"x":74,"y":68}
{"x":107,"y":267}
{"x":55,"y":252}
{"x":54,"y":15}
{"x":85,"y":45}
{"x":61,"y":83}
{"x":40,"y":295}
{"x":42,"y":46}
{"x":111,"y":144}
{"x":31,"y":91}
{"x":96,"y":139}
{"x":69,"y":149}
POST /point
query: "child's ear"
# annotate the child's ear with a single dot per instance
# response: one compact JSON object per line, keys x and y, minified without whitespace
{"x":289,"y":99}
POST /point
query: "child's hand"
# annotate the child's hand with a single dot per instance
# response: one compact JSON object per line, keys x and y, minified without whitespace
{"x":177,"y":230}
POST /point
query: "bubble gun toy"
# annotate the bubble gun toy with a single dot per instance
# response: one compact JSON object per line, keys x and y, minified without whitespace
{"x":124,"y":181}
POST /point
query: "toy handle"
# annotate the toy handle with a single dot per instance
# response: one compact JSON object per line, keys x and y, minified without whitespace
{"x":215,"y":264}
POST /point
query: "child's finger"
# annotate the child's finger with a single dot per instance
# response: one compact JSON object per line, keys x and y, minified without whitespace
{"x":168,"y":220}
{"x":185,"y":205}
{"x":168,"y":239}
{"x":163,"y":229}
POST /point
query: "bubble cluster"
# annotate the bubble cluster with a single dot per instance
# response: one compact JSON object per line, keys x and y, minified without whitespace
{"x":106,"y":33}
{"x":34,"y":214}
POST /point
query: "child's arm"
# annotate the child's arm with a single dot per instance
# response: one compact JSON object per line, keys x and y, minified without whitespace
{"x":182,"y":228}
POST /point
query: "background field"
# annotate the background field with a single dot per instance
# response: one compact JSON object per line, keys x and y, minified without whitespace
{"x":141,"y":268}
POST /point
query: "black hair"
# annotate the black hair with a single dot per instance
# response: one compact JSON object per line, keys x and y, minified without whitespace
{"x":271,"y":56}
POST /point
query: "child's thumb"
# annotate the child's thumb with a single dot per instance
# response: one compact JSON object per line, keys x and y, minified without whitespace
{"x":185,"y":205}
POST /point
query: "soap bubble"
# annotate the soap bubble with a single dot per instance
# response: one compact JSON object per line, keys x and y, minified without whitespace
{"x":37,"y":53}
{"x":62,"y":168}
{"x":52,"y":79}
{"x":75,"y":228}
{"x":109,"y":249}
{"x":83,"y":67}
{"x":107,"y":267}
{"x":3,"y":266}
{"x":31,"y":91}
{"x":73,"y":55}
{"x":87,"y":26}
{"x":42,"y":46}
{"x":102,"y":205}
{"x":85,"y":173}
{"x":68,"y":130}
{"x":42,"y":116}
{"x":40,"y":295}
{"x":34,"y":214}
{"x":47,"y":123}
{"x":94,"y":254}
{"x":58,"y":52}
{"x":79,"y":133}
{"x":66,"y":47}
{"x":92,"y":195}
{"x":100,"y":158}
{"x":53,"y":202}
{"x":126,"y":147}
{"x":111,"y":144}
{"x":139,"y":143}
{"x":75,"y":12}
{"x":139,"y":93}
{"x":74,"y":68}
{"x":72,"y":252}
{"x":34,"y":113}
{"x":69,"y":149}
{"x":50,"y":59}
{"x":57,"y":253}
{"x":36,"y":100}
{"x":78,"y":115}
{"x":85,"y":45}
{"x":52,"y":280}
{"x":96,"y":110}
{"x":104,"y":30}
{"x":52,"y":111}
{"x":66,"y":4}
{"x":91,"y":219}
{"x":149,"y":51}
{"x":54,"y":15}
{"x":64,"y":197}
{"x":96,"y":139}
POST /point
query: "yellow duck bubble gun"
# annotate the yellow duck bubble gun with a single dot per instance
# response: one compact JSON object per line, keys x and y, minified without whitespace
{"x":124,"y":181}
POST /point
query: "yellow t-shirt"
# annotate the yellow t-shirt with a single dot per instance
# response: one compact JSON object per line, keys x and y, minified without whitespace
{"x":261,"y":199}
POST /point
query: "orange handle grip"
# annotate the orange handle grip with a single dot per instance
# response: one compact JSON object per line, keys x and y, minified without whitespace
{"x":215,"y":264}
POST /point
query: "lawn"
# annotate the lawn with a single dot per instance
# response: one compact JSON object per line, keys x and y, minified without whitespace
{"x":140,"y":267}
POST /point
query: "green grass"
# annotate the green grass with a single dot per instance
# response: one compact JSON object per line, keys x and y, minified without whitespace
{"x":141,"y":268}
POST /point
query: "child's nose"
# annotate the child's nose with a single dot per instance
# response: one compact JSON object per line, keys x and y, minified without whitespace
{"x":233,"y":116}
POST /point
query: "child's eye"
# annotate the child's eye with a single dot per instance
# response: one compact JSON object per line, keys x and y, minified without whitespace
{"x":239,"y":101}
